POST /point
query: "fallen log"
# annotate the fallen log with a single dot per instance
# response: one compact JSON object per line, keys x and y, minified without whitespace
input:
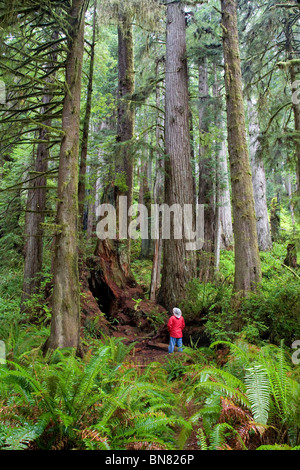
{"x":163,"y":346}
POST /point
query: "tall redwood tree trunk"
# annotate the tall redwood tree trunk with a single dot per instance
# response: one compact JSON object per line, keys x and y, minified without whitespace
{"x":112,"y":281}
{"x":247,"y":260}
{"x":36,"y":202}
{"x":158,"y":191}
{"x":126,"y":112}
{"x":258,"y":180}
{"x":223,"y":216}
{"x":179,"y":265}
{"x":122,"y":186}
{"x":65,"y":323}
{"x":86,"y":127}
{"x":35,"y":216}
{"x":206,"y":178}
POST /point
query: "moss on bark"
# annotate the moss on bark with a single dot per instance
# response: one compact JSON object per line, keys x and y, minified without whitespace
{"x":247,"y":260}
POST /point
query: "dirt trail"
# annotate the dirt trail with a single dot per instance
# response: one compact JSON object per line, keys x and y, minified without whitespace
{"x":145,"y":352}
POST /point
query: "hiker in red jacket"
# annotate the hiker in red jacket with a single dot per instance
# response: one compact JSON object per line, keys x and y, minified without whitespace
{"x":175,"y":326}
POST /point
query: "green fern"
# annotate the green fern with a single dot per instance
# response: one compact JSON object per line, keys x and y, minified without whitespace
{"x":201,"y":440}
{"x":260,"y":380}
{"x":237,"y":349}
{"x":219,"y":434}
{"x":258,"y":392}
{"x":20,"y":437}
{"x":211,"y":379}
{"x":275,"y":447}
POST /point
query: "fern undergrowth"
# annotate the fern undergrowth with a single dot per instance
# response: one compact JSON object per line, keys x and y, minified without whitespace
{"x":104,"y":402}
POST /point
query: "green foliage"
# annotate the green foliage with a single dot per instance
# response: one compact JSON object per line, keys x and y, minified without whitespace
{"x":201,"y":298}
{"x":141,"y":268}
{"x":258,"y":390}
{"x":98,"y":403}
{"x":175,"y":367}
{"x":21,"y":436}
{"x":270,"y":314}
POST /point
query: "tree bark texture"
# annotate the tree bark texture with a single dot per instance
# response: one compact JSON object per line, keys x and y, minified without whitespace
{"x":65,"y":324}
{"x":295,"y":106}
{"x":179,"y":265}
{"x":86,"y":127}
{"x":223,"y":214}
{"x":145,"y":198}
{"x":206,"y":178}
{"x":224,"y":199}
{"x":126,"y":113}
{"x":119,"y":249}
{"x":247,"y":260}
{"x":259,"y":181}
{"x":36,"y":203}
{"x":158,"y":193}
{"x":35,"y":216}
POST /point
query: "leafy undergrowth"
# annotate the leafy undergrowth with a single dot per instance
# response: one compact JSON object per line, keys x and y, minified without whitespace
{"x":229,"y":396}
{"x":242,"y":392}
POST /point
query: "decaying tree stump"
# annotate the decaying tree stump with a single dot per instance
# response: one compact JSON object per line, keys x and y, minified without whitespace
{"x":291,"y":256}
{"x":118,"y":295}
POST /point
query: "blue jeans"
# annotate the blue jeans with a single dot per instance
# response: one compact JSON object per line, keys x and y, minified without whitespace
{"x":173,"y":342}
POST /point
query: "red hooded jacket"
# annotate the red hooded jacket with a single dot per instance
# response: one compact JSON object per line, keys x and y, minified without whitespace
{"x":175,"y":326}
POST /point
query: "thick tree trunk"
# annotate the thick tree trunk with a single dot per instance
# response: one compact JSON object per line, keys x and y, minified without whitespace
{"x":65,"y":324}
{"x":35,"y":216}
{"x":259,"y":181}
{"x":158,"y":194}
{"x":145,"y":198}
{"x":206,"y":179}
{"x":122,"y":186}
{"x":275,"y":218}
{"x":36,"y":205}
{"x":223,"y":215}
{"x":224,"y":199}
{"x":179,"y":265}
{"x":289,"y":190}
{"x":86,"y":128}
{"x":291,"y":256}
{"x":112,"y":281}
{"x":126,"y":113}
{"x":296,"y":112}
{"x":247,"y":260}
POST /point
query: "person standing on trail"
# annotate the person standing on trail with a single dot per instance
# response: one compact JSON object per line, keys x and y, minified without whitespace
{"x":175,"y":326}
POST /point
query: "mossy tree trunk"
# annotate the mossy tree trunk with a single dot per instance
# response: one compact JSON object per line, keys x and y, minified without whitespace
{"x":247,"y":260}
{"x":36,"y":201}
{"x":65,"y":323}
{"x":296,"y":112}
{"x":179,"y":265}
{"x":291,"y":55}
{"x":34,"y":218}
{"x":145,"y":198}
{"x":126,"y":111}
{"x":258,"y":179}
{"x":86,"y":127}
{"x":124,"y":160}
{"x":206,"y":191}
{"x":275,"y":218}
{"x":158,"y":189}
{"x":223,"y":214}
{"x":112,"y":281}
